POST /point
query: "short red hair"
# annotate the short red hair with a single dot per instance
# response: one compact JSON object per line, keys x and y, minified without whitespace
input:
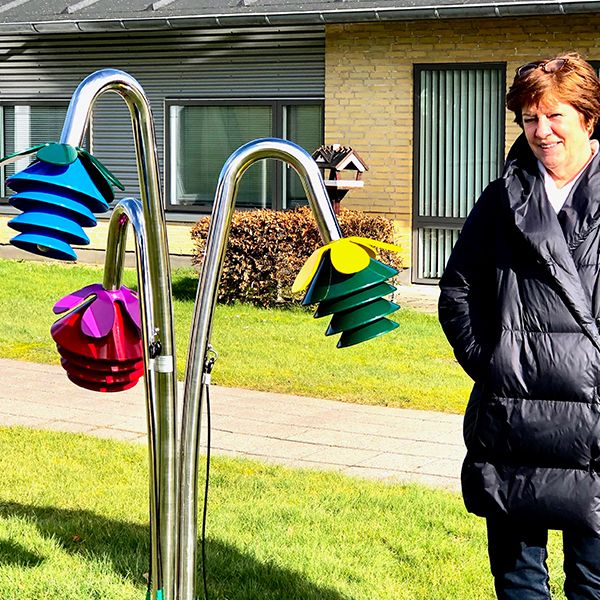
{"x":575,"y":83}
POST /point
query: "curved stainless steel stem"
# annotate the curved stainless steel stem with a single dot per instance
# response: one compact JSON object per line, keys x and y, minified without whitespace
{"x":226,"y":192}
{"x":129,"y":210}
{"x":163,"y":378}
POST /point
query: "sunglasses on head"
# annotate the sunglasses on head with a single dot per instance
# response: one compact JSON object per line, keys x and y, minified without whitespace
{"x":548,"y":66}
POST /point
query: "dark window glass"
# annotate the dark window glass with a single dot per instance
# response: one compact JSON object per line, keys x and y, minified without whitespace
{"x":24,"y":126}
{"x":203,"y":136}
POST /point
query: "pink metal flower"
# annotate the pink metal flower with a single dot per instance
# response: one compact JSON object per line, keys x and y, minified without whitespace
{"x":98,"y":306}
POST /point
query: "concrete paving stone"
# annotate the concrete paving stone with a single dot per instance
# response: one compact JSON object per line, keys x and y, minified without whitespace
{"x":380,"y":414}
{"x":380,"y":443}
{"x":428,"y":416}
{"x":394,"y":428}
{"x":277,"y":413}
{"x":12,"y":405}
{"x":341,"y":456}
{"x":251,"y":456}
{"x":135,"y":424}
{"x":301,"y":421}
{"x":263,"y":398}
{"x":267,"y":400}
{"x":442,"y":467}
{"x":395,"y":425}
{"x":245,"y":426}
{"x":323,"y":420}
{"x":434,"y":436}
{"x":74,"y":401}
{"x":129,"y":410}
{"x":94,"y":418}
{"x":68,"y":427}
{"x":276,"y":448}
{"x":7,"y":420}
{"x":258,"y":414}
{"x":117,"y":434}
{"x":78,"y":406}
{"x":40,"y":411}
{"x":395,"y":462}
{"x":28,"y":368}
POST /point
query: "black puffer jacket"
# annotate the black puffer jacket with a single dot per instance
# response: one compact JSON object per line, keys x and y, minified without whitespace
{"x":520,"y":301}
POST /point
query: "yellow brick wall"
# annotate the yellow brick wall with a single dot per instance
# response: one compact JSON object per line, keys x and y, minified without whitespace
{"x":369,"y":88}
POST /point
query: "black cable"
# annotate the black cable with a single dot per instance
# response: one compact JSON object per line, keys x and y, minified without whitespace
{"x":205,"y":503}
{"x":154,"y":518}
{"x":208,"y":369}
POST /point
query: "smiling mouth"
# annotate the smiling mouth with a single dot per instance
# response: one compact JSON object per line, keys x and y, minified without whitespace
{"x":548,"y":146}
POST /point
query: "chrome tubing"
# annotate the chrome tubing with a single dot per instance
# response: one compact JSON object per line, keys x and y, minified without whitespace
{"x":159,"y":343}
{"x":129,"y":211}
{"x":225,"y":196}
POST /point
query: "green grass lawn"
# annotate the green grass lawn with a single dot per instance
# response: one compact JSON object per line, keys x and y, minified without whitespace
{"x":273,"y":350}
{"x":73,"y":509}
{"x":73,"y":525}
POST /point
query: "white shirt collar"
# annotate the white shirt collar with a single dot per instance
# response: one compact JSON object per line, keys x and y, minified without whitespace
{"x":558,"y":196}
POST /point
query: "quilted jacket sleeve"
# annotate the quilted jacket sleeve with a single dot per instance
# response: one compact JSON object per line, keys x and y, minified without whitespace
{"x":466,"y":305}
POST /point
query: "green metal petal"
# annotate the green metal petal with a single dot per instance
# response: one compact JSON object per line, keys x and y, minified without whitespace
{"x":57,"y":154}
{"x":354,"y":300}
{"x":366,"y":332}
{"x":102,"y":169}
{"x":10,"y":158}
{"x":102,"y":184}
{"x":357,"y":317}
{"x":328,"y":284}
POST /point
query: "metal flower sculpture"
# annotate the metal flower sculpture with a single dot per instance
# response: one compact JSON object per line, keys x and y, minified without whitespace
{"x":348,"y":283}
{"x":58,"y":194}
{"x":99,"y":338}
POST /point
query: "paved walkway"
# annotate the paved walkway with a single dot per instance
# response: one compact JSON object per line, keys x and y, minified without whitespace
{"x":384,"y":443}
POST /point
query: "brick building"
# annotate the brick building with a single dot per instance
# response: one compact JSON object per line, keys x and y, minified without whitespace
{"x":417,"y":89}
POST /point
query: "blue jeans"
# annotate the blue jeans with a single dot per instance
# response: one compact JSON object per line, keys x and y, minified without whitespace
{"x":518,"y":562}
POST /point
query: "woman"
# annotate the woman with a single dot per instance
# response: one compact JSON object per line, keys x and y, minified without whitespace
{"x":520,"y":304}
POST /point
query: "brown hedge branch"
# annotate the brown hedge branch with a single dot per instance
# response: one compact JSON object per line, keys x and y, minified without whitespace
{"x":267,"y":248}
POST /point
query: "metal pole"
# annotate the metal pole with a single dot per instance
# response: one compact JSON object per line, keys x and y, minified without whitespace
{"x":226,"y":192}
{"x":160,"y":341}
{"x":129,"y":210}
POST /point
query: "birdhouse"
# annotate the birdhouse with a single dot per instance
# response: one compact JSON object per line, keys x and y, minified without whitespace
{"x":341,"y":168}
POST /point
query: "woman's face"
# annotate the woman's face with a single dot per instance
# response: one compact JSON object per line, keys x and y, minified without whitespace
{"x":558,"y":137}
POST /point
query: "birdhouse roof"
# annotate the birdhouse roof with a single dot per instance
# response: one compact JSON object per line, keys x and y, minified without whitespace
{"x":339,"y":158}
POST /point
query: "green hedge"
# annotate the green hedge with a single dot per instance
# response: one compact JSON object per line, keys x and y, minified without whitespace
{"x":267,"y":248}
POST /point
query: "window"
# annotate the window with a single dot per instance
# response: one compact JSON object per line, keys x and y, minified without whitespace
{"x":25,"y":125}
{"x":459,"y":149}
{"x":202,"y":135}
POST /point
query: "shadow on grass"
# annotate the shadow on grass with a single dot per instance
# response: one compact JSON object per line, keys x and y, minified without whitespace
{"x":184,"y":287}
{"x":231,"y":574}
{"x":13,"y":554}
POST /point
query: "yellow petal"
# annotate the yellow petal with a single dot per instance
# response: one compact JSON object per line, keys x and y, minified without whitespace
{"x":308,"y":270}
{"x":374,"y":243}
{"x":348,"y":257}
{"x":370,"y":251}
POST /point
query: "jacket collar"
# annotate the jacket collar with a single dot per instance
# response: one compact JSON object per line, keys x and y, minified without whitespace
{"x":537,"y":222}
{"x":581,"y":212}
